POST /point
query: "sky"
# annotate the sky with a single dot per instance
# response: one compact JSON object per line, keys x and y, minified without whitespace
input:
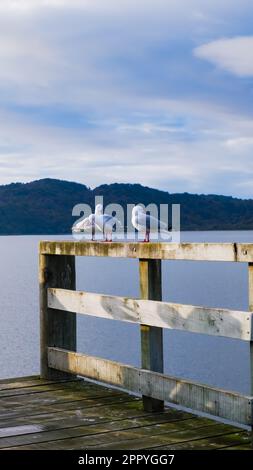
{"x":157,"y":92}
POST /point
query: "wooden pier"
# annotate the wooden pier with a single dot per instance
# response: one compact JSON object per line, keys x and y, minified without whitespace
{"x":39,"y":414}
{"x":64,"y":409}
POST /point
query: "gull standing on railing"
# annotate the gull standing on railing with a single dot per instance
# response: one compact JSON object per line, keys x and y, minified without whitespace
{"x":105,"y":222}
{"x":147,"y":223}
{"x":85,"y":225}
{"x":100,"y":221}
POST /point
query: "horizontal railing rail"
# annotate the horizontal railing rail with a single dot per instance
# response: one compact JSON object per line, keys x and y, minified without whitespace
{"x":60,"y":302}
{"x":210,"y":321}
{"x":199,"y":397}
{"x":234,"y":252}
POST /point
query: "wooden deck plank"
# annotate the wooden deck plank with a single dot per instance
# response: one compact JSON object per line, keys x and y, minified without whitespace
{"x":27,"y":384}
{"x":89,"y":411}
{"x":86,"y":387}
{"x":44,"y":433}
{"x":99,"y":435}
{"x":164,"y":439}
{"x":124,"y":440}
{"x":84,"y":415}
{"x":54,"y":396}
{"x":80,"y":385}
{"x":67,"y":409}
{"x":83,"y":419}
{"x":18,"y":391}
{"x":111,"y":407}
{"x":68,"y":405}
{"x":238,"y":447}
{"x":27,"y":378}
{"x":212,"y":443}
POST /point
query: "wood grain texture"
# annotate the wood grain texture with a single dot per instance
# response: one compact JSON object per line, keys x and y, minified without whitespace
{"x":219,"y":442}
{"x":57,"y":327}
{"x":250,"y":287}
{"x":84,"y":415}
{"x":150,"y":273}
{"x":210,"y":321}
{"x":198,"y":397}
{"x":240,"y":252}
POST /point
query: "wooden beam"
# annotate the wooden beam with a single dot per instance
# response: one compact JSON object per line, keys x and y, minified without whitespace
{"x":150,"y":272}
{"x":210,"y":321}
{"x":174,"y":251}
{"x":250,"y":277}
{"x":197,"y":397}
{"x":57,"y":327}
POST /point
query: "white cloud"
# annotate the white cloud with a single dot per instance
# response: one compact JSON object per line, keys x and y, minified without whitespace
{"x":234,"y":55}
{"x":239,"y":142}
{"x":153,"y":158}
{"x":25,"y":5}
{"x":115,"y":63}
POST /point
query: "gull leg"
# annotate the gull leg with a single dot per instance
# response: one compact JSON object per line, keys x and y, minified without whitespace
{"x":93,"y":234}
{"x":108,"y":235}
{"x":146,"y":239}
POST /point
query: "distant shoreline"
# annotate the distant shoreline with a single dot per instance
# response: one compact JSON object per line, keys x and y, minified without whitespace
{"x":46,"y":206}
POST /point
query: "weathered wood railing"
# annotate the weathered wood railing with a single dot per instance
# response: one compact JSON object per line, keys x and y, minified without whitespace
{"x":60,"y":302}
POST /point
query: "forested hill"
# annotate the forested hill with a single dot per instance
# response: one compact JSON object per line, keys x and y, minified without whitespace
{"x":45,"y":206}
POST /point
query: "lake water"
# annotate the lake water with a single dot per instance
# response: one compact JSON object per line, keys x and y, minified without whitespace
{"x":215,"y":361}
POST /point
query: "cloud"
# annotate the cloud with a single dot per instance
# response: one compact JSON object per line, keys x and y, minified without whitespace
{"x":100,"y":91}
{"x":234,"y":55}
{"x":26,"y":5}
{"x":239,"y":142}
{"x":104,"y":154}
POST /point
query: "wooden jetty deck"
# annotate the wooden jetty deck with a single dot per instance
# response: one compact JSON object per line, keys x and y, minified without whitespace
{"x":59,"y":410}
{"x":38,"y":414}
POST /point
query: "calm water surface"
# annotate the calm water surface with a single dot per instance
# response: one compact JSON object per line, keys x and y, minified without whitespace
{"x":215,"y":361}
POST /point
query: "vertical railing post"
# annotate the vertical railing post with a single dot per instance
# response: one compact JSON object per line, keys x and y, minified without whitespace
{"x":57,"y":328}
{"x":151,"y":337}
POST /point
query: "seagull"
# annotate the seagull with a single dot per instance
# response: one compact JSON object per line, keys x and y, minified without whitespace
{"x":147,"y":223}
{"x":105,"y":222}
{"x":85,"y":225}
{"x":102,"y":222}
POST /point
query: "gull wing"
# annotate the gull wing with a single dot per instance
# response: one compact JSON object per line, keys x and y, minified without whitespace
{"x":150,"y":222}
{"x":84,"y":224}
